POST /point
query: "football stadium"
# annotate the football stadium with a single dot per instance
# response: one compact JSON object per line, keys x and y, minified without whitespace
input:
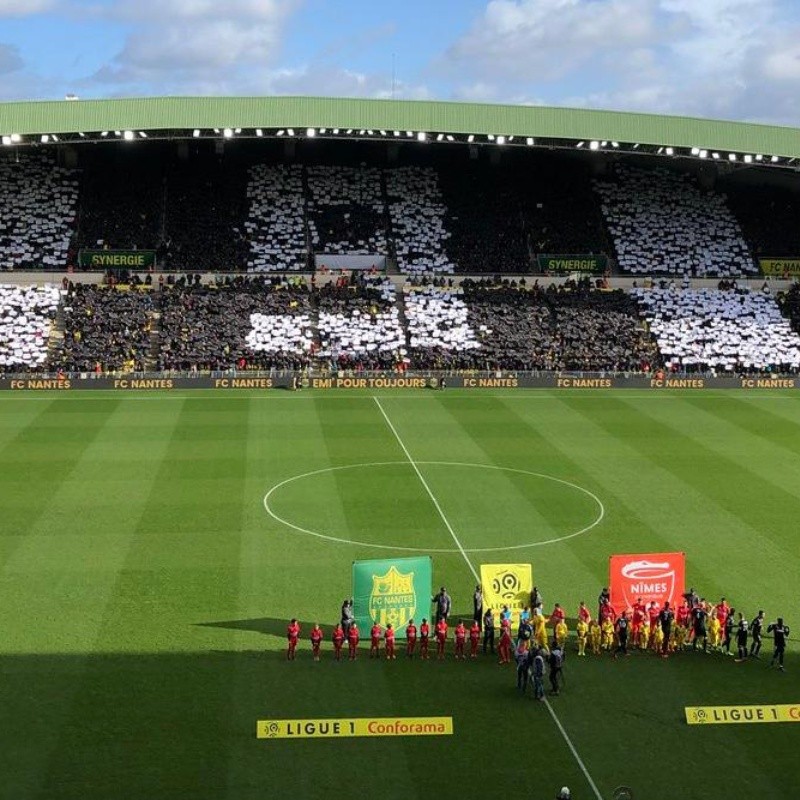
{"x":284,"y":378}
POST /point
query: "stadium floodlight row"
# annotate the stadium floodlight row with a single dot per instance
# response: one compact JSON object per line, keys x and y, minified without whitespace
{"x":424,"y":122}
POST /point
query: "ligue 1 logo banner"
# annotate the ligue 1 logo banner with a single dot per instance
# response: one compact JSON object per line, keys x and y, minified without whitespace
{"x":649,"y":576}
{"x":391,"y":590}
{"x":506,"y":585}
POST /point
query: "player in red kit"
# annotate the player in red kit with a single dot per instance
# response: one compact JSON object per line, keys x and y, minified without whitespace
{"x":474,"y":639}
{"x":316,"y":640}
{"x":388,"y":638}
{"x":460,"y":639}
{"x":583,"y":613}
{"x":441,"y":638}
{"x":352,"y":640}
{"x":723,"y":610}
{"x":411,"y":638}
{"x":375,"y":641}
{"x":338,"y":640}
{"x":292,"y":634}
{"x":504,"y":646}
{"x":424,"y":638}
{"x":557,"y":616}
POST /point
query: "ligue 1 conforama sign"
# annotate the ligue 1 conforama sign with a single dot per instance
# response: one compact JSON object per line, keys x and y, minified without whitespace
{"x":649,"y":576}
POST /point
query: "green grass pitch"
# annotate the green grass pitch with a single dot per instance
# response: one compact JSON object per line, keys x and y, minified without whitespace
{"x":144,"y":588}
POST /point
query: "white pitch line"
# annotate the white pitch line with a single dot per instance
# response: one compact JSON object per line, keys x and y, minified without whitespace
{"x":427,"y":489}
{"x":557,"y":721}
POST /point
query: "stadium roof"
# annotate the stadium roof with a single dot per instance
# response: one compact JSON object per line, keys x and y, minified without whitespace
{"x":28,"y":122}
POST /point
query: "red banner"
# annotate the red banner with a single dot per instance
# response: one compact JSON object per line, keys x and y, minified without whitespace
{"x":651,"y":576}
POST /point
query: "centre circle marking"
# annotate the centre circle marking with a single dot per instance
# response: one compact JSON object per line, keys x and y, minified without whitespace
{"x":398,"y":548}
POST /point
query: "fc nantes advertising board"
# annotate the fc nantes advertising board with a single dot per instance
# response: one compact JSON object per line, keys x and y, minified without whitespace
{"x":391,"y":590}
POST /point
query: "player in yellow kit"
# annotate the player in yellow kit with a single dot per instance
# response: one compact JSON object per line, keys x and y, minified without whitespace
{"x":607,"y":639}
{"x":714,"y":631}
{"x":540,"y":630}
{"x":582,"y":630}
{"x":595,"y":636}
{"x":561,"y":633}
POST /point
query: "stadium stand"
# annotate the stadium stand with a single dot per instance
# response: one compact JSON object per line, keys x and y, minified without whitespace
{"x":244,"y":323}
{"x":26,"y":314}
{"x":661,"y":222}
{"x":769,"y":218}
{"x":346,"y":210}
{"x":275,"y":225}
{"x":734,"y":330}
{"x":789,"y":304}
{"x":359,"y":325}
{"x":121,"y":201}
{"x":205,"y":216}
{"x":104,"y":330}
{"x":417,"y":213}
{"x":38,"y":206}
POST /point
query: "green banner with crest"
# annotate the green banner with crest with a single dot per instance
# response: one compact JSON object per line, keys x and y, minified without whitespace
{"x":392,"y":590}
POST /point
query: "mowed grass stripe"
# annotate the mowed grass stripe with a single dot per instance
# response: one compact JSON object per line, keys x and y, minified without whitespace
{"x":723,"y":550}
{"x":53,"y":595}
{"x":153,"y":605}
{"x":763,"y":504}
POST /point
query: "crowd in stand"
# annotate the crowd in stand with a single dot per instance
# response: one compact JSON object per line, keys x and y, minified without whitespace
{"x":346,"y":210}
{"x":245,"y":323}
{"x":104,"y":330}
{"x":661,"y":222}
{"x":26,"y":315}
{"x":728,"y":331}
{"x":769,"y":217}
{"x":359,"y":325}
{"x":38,"y":206}
{"x":789,"y":304}
{"x":275,"y":226}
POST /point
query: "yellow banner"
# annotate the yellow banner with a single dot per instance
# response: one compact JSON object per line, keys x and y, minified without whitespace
{"x":728,"y":715}
{"x":345,"y":728}
{"x":779,"y":266}
{"x":506,"y":585}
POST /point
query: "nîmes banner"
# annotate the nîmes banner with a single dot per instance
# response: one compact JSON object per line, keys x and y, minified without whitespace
{"x":651,"y":576}
{"x":391,"y":590}
{"x":506,"y":585}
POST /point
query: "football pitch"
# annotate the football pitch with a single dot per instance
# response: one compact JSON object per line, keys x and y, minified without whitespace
{"x":154,"y":546}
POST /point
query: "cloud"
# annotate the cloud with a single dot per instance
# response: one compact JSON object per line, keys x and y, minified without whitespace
{"x":10,"y":59}
{"x":342,"y":82}
{"x":188,"y":46}
{"x":24,"y":8}
{"x":716,"y":58}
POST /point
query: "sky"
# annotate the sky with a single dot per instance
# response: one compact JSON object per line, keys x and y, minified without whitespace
{"x":727,"y":59}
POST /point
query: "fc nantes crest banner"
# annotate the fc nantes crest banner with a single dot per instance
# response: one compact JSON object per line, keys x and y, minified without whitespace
{"x":506,"y":585}
{"x":391,"y":590}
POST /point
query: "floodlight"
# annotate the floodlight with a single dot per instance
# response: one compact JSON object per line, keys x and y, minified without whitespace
{"x":715,"y":155}
{"x":636,"y":146}
{"x":80,"y":133}
{"x":259,"y":132}
{"x":280,"y":132}
{"x":323,"y":130}
{"x":471,"y":138}
{"x":127,"y":136}
{"x":580,"y":144}
{"x":450,"y":137}
{"x":759,"y":157}
{"x":54,"y":137}
{"x":490,"y":137}
{"x":748,"y":159}
{"x":439,"y":137}
{"x":594,"y":145}
{"x":361,"y":133}
{"x":410,"y":134}
{"x":7,"y":140}
{"x":703,"y":154}
{"x":311,"y":132}
{"x":731,"y":156}
{"x":383,"y":133}
{"x":670,"y":151}
{"x":501,"y":140}
{"x":349,"y":131}
{"x":529,"y":141}
{"x":511,"y":138}
{"x":143,"y":134}
{"x":104,"y":134}
{"x":371,"y":133}
{"x":615,"y":144}
{"x":660,"y":150}
{"x":336,"y":131}
{"x":15,"y":138}
{"x":237,"y":130}
{"x":196,"y":133}
{"x":227,"y":133}
{"x":396,"y":133}
{"x":422,"y":136}
{"x":45,"y":138}
{"x":774,"y":159}
{"x":290,"y":131}
{"x":695,"y":151}
{"x":603,"y":144}
{"x":216,"y":130}
{"x":117,"y":133}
